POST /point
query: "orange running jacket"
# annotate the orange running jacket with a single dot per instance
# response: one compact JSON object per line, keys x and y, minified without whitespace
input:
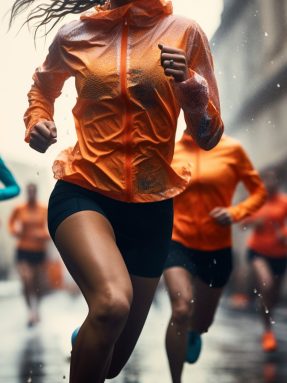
{"x":216,"y":175}
{"x":264,"y":239}
{"x":29,"y":225}
{"x":127,"y":109}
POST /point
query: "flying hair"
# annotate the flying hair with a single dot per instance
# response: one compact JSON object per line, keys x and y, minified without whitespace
{"x":48,"y":14}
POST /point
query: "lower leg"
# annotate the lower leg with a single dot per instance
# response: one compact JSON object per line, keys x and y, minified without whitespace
{"x":143,"y":293}
{"x":178,"y":282}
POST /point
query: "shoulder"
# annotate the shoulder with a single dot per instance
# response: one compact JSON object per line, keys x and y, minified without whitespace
{"x":75,"y":30}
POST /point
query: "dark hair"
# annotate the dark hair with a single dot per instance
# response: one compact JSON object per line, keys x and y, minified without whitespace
{"x":50,"y":12}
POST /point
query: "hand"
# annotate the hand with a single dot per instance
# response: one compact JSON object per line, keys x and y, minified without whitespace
{"x":174,"y":63}
{"x":222,"y":216}
{"x":43,"y":135}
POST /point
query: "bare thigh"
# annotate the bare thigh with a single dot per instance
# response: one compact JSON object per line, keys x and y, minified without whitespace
{"x":86,"y":242}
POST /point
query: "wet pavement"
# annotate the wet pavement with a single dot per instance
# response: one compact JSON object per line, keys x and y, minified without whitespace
{"x":231,"y":351}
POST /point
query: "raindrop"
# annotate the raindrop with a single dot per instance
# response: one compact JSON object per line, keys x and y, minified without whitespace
{"x":278,"y":85}
{"x":214,"y":261}
{"x":272,"y":321}
{"x":171,"y":323}
{"x":192,"y":301}
{"x":210,"y":285}
{"x":234,"y":76}
{"x":244,"y":228}
{"x":267,"y":311}
{"x":255,"y":291}
{"x":266,"y":34}
{"x":178,"y":333}
{"x":178,"y":294}
{"x":29,"y":380}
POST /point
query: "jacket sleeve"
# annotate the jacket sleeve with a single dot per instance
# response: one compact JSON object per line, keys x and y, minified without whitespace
{"x":48,"y":83}
{"x":208,"y":129}
{"x":253,"y":183}
{"x":11,"y":188}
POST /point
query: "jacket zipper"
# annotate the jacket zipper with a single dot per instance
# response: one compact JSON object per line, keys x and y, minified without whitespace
{"x":127,"y":117}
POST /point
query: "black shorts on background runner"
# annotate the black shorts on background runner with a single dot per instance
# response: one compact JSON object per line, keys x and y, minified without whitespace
{"x":31,"y":257}
{"x":278,"y":266}
{"x":142,"y":230}
{"x":212,"y":267}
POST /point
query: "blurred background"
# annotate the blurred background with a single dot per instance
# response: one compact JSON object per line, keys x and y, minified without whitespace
{"x":249,"y":44}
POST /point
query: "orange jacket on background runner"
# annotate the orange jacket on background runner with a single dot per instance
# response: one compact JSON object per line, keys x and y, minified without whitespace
{"x":265,"y":239}
{"x":29,"y":225}
{"x":216,"y":175}
{"x":127,"y":109}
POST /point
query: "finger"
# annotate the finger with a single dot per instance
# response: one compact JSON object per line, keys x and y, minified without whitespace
{"x":42,"y":129}
{"x":52,"y":127}
{"x":175,"y":57}
{"x":167,"y":49}
{"x":178,"y":75}
{"x":174,"y":65}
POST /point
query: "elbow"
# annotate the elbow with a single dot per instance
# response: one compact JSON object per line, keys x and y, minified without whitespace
{"x":208,"y":143}
{"x":17,"y":190}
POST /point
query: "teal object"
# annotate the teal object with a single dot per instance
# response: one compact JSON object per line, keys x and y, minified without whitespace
{"x":194,"y":346}
{"x":11,"y":188}
{"x":74,"y":336}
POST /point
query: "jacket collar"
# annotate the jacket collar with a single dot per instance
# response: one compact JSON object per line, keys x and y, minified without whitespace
{"x":138,"y":12}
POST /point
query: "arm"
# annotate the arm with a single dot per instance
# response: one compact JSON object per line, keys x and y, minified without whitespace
{"x":253,"y":183}
{"x":11,"y":188}
{"x":48,"y":82}
{"x":201,"y":110}
{"x":13,"y":224}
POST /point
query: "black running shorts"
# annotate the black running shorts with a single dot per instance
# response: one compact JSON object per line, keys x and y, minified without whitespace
{"x":142,"y":230}
{"x":212,"y":267}
{"x":277,"y":265}
{"x":33,"y":258}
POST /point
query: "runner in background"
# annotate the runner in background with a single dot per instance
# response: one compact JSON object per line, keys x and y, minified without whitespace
{"x":28,"y":223}
{"x":200,"y":258}
{"x":267,"y":252}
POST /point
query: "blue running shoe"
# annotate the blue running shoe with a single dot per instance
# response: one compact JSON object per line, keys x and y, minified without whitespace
{"x":74,"y":335}
{"x":193,"y":347}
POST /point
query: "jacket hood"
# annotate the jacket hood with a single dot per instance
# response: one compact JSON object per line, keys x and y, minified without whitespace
{"x":138,"y":12}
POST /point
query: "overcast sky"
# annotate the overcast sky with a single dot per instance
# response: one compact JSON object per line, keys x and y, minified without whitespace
{"x":18,"y":61}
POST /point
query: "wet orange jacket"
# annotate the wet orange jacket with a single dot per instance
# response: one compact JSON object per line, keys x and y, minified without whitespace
{"x":216,"y":175}
{"x":264,"y":239}
{"x":127,"y":109}
{"x":29,"y":225}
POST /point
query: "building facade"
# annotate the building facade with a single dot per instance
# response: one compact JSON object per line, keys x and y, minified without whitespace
{"x":250,"y":52}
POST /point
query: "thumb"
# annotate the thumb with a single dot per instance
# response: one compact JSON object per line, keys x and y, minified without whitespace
{"x":53,"y":130}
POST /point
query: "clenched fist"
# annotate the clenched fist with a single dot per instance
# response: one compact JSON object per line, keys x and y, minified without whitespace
{"x":43,"y":135}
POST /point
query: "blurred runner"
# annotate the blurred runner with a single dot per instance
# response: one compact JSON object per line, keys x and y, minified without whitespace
{"x":267,"y":252}
{"x":200,"y":257}
{"x":11,"y":188}
{"x":28,"y":223}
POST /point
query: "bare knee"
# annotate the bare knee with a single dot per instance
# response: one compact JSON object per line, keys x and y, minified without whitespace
{"x":181,"y":312}
{"x":110,"y":308}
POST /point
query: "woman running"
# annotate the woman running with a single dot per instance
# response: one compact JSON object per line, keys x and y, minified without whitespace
{"x":11,"y":188}
{"x":28,"y":223}
{"x":110,"y":214}
{"x":267,"y":252}
{"x":200,"y":258}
